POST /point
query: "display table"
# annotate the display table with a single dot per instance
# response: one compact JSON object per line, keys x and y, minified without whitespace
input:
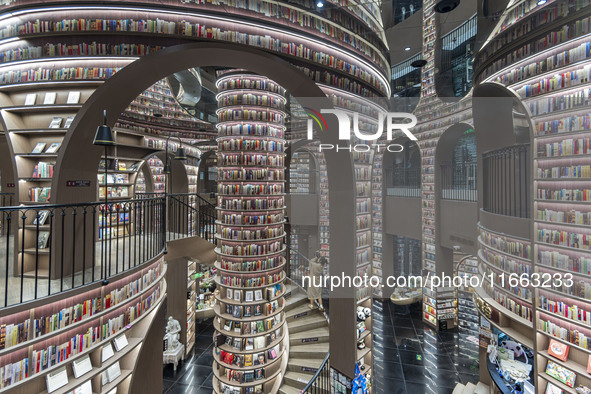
{"x":173,"y":356}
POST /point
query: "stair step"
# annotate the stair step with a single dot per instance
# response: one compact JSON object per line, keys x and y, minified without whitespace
{"x":459,"y":389}
{"x":306,"y":323}
{"x":313,"y":350}
{"x":287,"y":389}
{"x":297,"y":379}
{"x":299,"y":311}
{"x":481,"y":388}
{"x":303,"y":365}
{"x":469,"y":389}
{"x":296,"y":299}
{"x":317,"y":335}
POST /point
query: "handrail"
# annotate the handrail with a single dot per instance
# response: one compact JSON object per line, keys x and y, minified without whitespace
{"x":52,"y":248}
{"x":324,"y":385}
{"x":295,"y":250}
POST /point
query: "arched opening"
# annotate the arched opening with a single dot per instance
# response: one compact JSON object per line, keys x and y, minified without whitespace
{"x":402,"y":170}
{"x":457,"y":159}
{"x":504,"y":146}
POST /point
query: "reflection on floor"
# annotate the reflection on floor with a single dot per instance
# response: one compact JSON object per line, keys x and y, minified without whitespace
{"x":194,"y":375}
{"x":409,"y":357}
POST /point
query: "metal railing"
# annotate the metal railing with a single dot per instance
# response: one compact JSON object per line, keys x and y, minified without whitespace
{"x":506,"y":189}
{"x":49,"y":249}
{"x":297,"y":271}
{"x":459,"y":182}
{"x":320,"y":382}
{"x":190,"y":215}
{"x":403,"y":182}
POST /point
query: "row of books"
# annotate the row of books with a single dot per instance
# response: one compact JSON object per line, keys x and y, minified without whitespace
{"x":245,"y":360}
{"x":562,"y":34}
{"x":39,"y":194}
{"x":515,"y":248}
{"x":251,"y":175}
{"x":66,"y":316}
{"x":565,"y":238}
{"x":187,"y":29}
{"x":241,"y":144}
{"x":251,"y":250}
{"x":548,"y":15}
{"x":57,"y":74}
{"x":580,"y":98}
{"x":252,"y":343}
{"x":248,"y":219}
{"x":566,"y":147}
{"x":241,"y":130}
{"x":113,"y":178}
{"x":573,"y":312}
{"x":546,"y":63}
{"x":254,"y":234}
{"x":554,"y":258}
{"x":259,"y":281}
{"x":251,"y":266}
{"x":509,"y":303}
{"x":504,"y":263}
{"x":564,"y":194}
{"x":328,"y":78}
{"x":565,"y":172}
{"x":252,"y":99}
{"x":556,"y":82}
{"x":243,"y":159}
{"x":572,"y":216}
{"x":55,"y":354}
{"x":250,"y":203}
{"x":13,"y":334}
{"x":82,"y":49}
{"x":501,"y":282}
{"x":251,"y":328}
{"x":580,"y":122}
{"x":249,"y":82}
{"x":574,"y":336}
{"x":43,"y":170}
{"x":244,"y":376}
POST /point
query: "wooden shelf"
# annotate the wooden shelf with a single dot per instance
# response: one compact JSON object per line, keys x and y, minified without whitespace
{"x":43,"y":108}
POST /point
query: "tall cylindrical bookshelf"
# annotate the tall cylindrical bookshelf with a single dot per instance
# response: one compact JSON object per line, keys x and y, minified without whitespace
{"x":250,"y":230}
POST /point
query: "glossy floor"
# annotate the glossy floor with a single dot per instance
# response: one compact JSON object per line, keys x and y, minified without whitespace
{"x":409,"y":357}
{"x":194,"y":375}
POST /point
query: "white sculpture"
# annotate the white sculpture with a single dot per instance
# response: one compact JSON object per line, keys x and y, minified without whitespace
{"x":173,"y":331}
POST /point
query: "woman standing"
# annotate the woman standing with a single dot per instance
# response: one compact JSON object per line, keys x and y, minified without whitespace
{"x":316,"y":272}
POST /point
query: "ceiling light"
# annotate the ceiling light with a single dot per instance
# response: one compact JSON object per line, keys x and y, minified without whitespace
{"x":407,"y":49}
{"x":320,"y":4}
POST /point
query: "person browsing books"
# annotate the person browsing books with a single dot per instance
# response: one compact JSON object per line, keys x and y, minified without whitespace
{"x":316,"y":271}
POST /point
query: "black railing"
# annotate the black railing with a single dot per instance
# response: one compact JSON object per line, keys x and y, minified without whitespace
{"x":507,"y":181}
{"x":320,"y":382}
{"x":190,"y":215}
{"x":298,"y":270}
{"x":458,"y":181}
{"x":49,"y":249}
{"x":403,"y":182}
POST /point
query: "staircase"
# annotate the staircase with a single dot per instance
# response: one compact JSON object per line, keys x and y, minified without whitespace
{"x":308,"y":341}
{"x":471,"y":388}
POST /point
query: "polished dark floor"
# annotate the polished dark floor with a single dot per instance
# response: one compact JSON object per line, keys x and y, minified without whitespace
{"x":409,"y":356}
{"x":194,"y":375}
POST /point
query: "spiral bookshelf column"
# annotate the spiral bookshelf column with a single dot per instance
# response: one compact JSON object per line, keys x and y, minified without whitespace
{"x":250,"y":230}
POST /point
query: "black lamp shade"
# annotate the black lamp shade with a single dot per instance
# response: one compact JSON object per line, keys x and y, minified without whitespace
{"x":166,"y":169}
{"x":180,"y":154}
{"x":103,"y":136}
{"x":419,"y":63}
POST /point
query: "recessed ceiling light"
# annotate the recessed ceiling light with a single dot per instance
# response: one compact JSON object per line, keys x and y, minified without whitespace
{"x":542,"y":2}
{"x":407,"y":49}
{"x":320,"y":4}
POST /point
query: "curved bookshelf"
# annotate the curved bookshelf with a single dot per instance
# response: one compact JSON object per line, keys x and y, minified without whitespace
{"x":259,"y":308}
